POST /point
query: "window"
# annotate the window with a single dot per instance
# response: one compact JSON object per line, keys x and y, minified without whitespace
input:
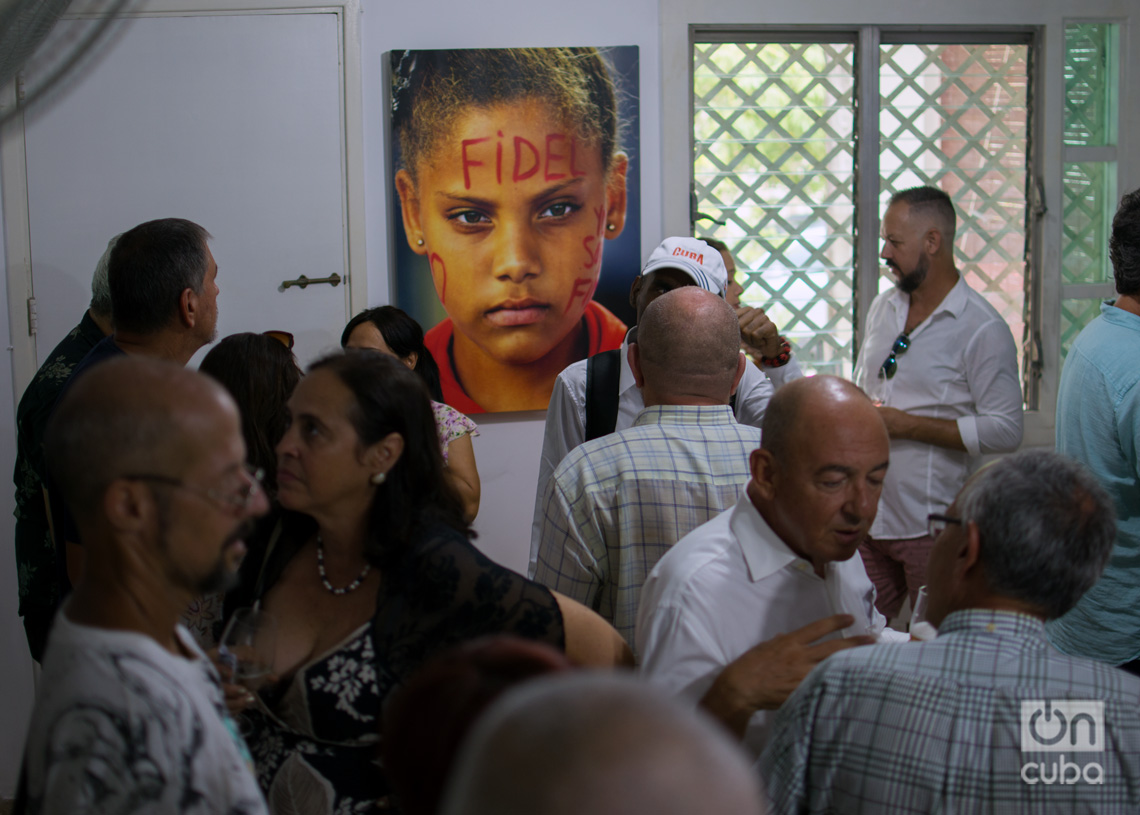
{"x":786,"y":133}
{"x":1088,"y":174}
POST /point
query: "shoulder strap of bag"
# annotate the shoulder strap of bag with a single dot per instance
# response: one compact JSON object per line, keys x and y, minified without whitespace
{"x":603,"y":379}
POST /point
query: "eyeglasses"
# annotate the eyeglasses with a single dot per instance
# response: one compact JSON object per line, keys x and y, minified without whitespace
{"x":890,"y":364}
{"x":241,"y":499}
{"x":936,"y":524}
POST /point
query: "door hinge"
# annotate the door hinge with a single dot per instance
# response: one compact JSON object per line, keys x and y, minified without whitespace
{"x":33,"y":319}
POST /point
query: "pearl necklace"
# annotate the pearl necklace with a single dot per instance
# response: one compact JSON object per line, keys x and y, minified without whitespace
{"x":353,"y":586}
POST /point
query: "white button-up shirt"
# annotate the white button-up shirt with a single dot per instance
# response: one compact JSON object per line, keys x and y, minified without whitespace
{"x":566,"y":416}
{"x":961,"y":365}
{"x":730,"y":585}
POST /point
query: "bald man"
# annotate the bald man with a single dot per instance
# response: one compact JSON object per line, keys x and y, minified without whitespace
{"x":716,"y":611}
{"x":617,"y":503}
{"x":130,"y":715}
{"x":942,"y":363}
{"x":599,"y":745}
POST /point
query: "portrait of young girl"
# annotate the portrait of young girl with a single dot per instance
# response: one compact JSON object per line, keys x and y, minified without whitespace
{"x":512,"y":179}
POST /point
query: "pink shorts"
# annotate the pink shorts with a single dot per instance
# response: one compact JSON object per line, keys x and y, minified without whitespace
{"x":897,"y":568}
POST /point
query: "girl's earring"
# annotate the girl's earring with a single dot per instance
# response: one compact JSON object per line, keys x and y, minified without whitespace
{"x":419,"y":241}
{"x":610,"y":227}
{"x":378,"y":478}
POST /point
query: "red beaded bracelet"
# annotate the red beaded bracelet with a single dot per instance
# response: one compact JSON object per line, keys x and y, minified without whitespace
{"x":781,"y":359}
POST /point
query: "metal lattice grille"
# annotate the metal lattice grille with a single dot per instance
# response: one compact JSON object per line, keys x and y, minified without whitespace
{"x":956,"y":117}
{"x":1084,"y":224}
{"x":1075,"y":315}
{"x":775,"y":147}
{"x":1087,"y":85}
{"x":774,"y":132}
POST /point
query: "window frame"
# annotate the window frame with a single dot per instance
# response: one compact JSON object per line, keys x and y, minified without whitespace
{"x":1048,"y":19}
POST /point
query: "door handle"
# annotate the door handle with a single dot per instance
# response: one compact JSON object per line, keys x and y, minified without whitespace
{"x":302,"y":281}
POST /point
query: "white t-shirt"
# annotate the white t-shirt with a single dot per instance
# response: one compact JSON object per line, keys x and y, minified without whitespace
{"x":121,"y":725}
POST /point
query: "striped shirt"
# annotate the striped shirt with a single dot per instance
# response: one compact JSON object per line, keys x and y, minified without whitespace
{"x":616,"y":504}
{"x":949,"y":726}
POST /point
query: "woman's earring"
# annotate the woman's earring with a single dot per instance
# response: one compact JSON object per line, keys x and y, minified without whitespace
{"x":378,"y":479}
{"x":419,"y":241}
{"x":610,"y":227}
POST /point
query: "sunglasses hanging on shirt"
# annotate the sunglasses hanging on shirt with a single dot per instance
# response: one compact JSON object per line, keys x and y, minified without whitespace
{"x":890,"y":364}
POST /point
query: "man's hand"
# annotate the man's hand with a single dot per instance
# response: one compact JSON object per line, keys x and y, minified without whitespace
{"x":758,"y":334}
{"x":765,"y":675}
{"x":939,"y":432}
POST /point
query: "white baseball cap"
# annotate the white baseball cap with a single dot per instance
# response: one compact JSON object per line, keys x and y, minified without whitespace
{"x":695,"y":258}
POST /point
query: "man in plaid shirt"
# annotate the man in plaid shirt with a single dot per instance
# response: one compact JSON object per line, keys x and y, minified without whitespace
{"x":617,"y":503}
{"x":987,"y":717}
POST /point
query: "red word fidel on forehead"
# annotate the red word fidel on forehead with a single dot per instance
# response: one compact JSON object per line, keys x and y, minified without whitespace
{"x":525,"y":158}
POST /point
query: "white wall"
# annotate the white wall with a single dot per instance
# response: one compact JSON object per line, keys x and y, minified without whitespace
{"x":15,"y":662}
{"x":507,"y":448}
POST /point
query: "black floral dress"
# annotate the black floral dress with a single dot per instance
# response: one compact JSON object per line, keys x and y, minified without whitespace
{"x":315,"y":741}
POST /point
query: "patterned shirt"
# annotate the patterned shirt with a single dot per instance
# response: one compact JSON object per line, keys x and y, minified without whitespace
{"x":122,"y":725}
{"x":616,"y":504}
{"x":955,"y":725}
{"x":35,"y":553}
{"x":450,"y":425}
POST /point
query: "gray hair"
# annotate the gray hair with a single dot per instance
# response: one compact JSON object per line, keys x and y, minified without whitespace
{"x":150,"y":266}
{"x":101,"y":282}
{"x":1046,"y":526}
{"x":934,"y":203}
{"x":601,"y":744}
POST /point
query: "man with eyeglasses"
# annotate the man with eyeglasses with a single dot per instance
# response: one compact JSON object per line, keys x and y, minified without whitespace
{"x":130,"y":715}
{"x":987,"y":717}
{"x":941,"y":363}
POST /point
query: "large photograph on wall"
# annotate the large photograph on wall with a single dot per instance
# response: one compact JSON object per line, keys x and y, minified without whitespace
{"x":516,"y":213}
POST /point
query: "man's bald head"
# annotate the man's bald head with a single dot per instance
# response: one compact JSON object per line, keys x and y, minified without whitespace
{"x":688,"y":344}
{"x":129,"y":415}
{"x":806,"y":406}
{"x":599,"y":744}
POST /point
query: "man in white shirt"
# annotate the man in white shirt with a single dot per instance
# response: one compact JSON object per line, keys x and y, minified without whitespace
{"x":130,"y":715}
{"x":785,"y":555}
{"x":942,"y":364}
{"x":675,"y":263}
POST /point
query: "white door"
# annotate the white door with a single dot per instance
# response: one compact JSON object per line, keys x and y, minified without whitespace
{"x":234,"y":121}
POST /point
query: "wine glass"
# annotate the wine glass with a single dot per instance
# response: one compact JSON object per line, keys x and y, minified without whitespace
{"x":879,"y":388}
{"x":920,"y":629}
{"x":248,"y":646}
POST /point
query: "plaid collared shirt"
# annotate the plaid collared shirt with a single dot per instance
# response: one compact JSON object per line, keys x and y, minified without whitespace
{"x":616,"y":504}
{"x":942,"y":727}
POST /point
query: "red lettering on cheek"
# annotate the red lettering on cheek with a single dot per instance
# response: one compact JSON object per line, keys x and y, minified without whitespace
{"x":520,"y":142}
{"x":468,"y":163}
{"x":584,"y":288}
{"x":552,"y":156}
{"x":439,"y":276}
{"x":593,"y":253}
{"x":574,"y":171}
{"x":593,"y":243}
